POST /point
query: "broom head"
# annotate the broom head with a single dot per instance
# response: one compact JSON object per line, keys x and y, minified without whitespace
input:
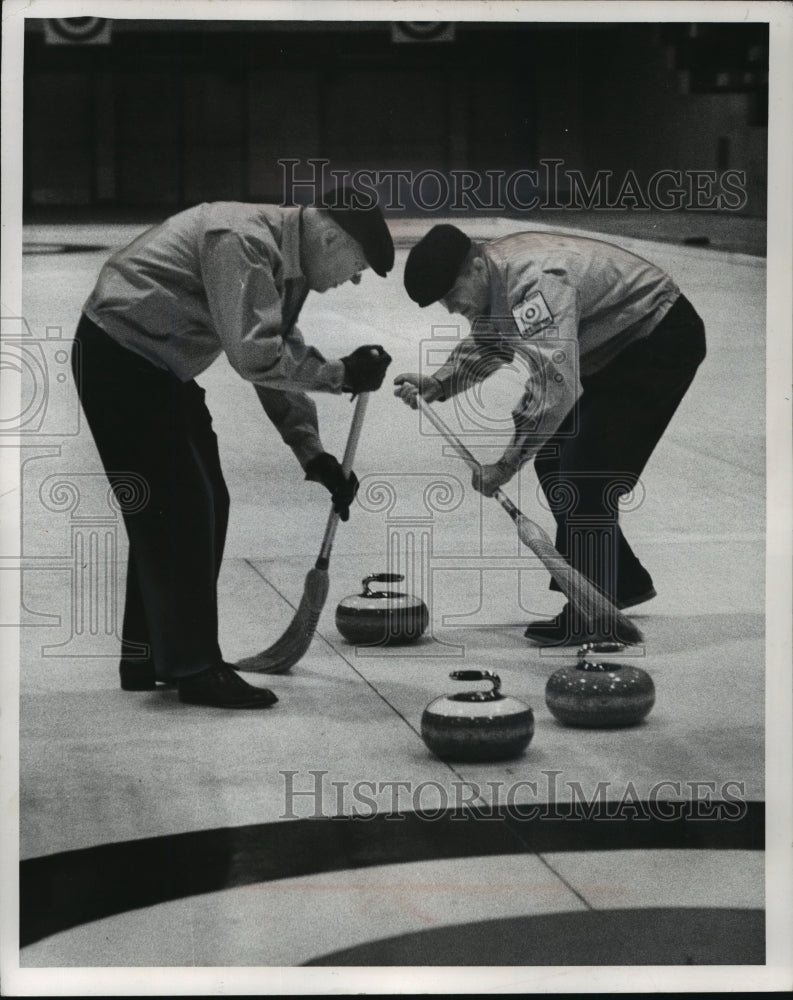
{"x":293,"y":644}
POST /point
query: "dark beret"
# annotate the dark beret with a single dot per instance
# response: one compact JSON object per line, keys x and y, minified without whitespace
{"x":434,"y":263}
{"x":364,"y":221}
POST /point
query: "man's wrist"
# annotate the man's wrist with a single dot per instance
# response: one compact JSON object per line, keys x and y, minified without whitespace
{"x":336,"y":373}
{"x":434,"y":390}
{"x":307,"y":452}
{"x":442,"y":389}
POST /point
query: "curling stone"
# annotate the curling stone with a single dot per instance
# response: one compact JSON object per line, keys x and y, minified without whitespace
{"x":381,"y":617}
{"x":599,"y":694}
{"x":477,"y":725}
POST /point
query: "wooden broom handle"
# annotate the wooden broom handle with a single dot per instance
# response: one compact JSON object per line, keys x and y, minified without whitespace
{"x":465,"y":454}
{"x":346,"y":465}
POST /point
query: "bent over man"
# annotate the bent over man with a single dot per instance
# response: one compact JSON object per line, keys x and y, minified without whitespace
{"x":610,"y":346}
{"x":220,"y":277}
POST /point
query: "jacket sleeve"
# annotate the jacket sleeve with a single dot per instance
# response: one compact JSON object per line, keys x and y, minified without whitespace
{"x":475,"y":358}
{"x":549,"y":351}
{"x":294,"y":414}
{"x":245,"y":305}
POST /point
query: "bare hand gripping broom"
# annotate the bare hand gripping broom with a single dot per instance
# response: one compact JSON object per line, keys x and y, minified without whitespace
{"x":597,"y":610}
{"x":293,"y":644}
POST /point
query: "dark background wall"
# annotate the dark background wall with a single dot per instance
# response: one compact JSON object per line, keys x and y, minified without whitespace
{"x":168,"y":114}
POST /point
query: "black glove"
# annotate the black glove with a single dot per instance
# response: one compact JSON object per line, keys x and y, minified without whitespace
{"x":365,"y":368}
{"x":325,"y":469}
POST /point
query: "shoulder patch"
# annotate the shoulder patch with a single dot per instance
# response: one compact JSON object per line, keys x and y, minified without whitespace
{"x":532,"y":314}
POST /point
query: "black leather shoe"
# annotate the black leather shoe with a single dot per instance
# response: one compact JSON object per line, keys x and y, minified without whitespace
{"x":571,"y":629}
{"x":631,"y":602}
{"x":222,"y":687}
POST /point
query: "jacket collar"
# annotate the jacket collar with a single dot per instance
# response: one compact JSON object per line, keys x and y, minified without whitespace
{"x":499,"y":307}
{"x":290,"y":243}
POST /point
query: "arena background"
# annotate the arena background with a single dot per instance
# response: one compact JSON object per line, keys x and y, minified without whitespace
{"x":159,"y":115}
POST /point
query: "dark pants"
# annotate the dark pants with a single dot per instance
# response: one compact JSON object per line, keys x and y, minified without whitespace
{"x":603,"y":445}
{"x":146,"y":422}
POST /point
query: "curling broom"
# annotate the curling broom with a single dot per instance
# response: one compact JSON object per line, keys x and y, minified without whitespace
{"x":597,"y":611}
{"x":293,"y":644}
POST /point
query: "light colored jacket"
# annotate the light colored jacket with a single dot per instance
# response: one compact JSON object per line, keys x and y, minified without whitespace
{"x":223,"y":277}
{"x":561,"y":307}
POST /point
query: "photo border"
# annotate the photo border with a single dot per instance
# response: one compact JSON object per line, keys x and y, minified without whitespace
{"x":776,"y":974}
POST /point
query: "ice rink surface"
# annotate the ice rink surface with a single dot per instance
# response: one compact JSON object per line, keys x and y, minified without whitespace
{"x":245,"y":807}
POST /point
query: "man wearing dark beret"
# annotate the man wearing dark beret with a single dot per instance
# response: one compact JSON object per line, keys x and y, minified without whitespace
{"x":229,"y":278}
{"x":609,"y":346}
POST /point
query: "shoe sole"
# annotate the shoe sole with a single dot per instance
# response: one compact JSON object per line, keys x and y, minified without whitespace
{"x":127,"y":685}
{"x":571,"y":640}
{"x":542,"y":630}
{"x":217,"y":704}
{"x":577,"y":640}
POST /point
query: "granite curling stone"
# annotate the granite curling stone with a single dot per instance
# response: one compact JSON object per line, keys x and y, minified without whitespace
{"x":381,"y":617}
{"x":477,"y":725}
{"x":599,"y":694}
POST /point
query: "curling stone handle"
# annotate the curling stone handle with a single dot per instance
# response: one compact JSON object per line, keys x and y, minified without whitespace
{"x":599,"y":647}
{"x":379,"y":578}
{"x":478,"y":675}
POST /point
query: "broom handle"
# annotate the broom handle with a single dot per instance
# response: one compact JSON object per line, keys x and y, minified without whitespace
{"x":346,"y":467}
{"x":513,"y":511}
{"x":579,"y":591}
{"x":447,"y":432}
{"x":463,"y":452}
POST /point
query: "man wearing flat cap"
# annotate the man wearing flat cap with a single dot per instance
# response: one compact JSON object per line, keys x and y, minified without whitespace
{"x":609,"y":346}
{"x":229,"y":278}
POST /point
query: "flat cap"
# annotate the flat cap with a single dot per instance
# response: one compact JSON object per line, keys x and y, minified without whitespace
{"x":363,"y":220}
{"x":434,"y":263}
